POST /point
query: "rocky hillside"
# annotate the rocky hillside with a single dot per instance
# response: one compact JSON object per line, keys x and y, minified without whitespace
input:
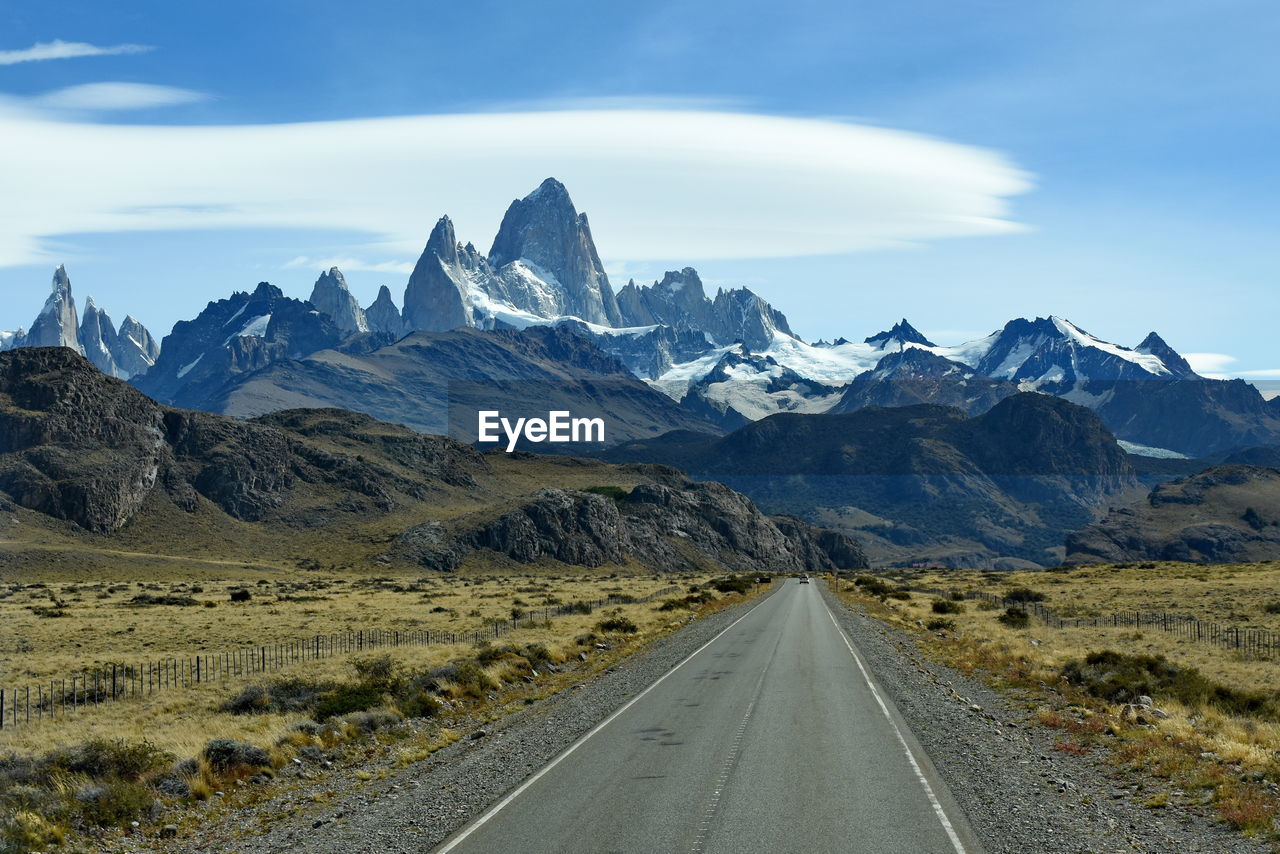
{"x":85,"y":455}
{"x":922,"y":482}
{"x":1224,"y":514}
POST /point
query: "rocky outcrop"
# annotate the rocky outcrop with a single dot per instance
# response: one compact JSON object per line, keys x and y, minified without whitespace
{"x":675,"y":524}
{"x":74,"y":443}
{"x":331,"y":296}
{"x":383,"y":316}
{"x":81,"y":446}
{"x":544,"y":233}
{"x":1224,"y":514}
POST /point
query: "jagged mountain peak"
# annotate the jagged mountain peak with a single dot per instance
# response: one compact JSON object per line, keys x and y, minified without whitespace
{"x":443,"y":242}
{"x":903,"y":332}
{"x":331,"y":296}
{"x":1154,"y":345}
{"x":544,"y":234}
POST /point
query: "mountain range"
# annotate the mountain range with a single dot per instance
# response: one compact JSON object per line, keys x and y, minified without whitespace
{"x":726,"y":360}
{"x":535,"y":325}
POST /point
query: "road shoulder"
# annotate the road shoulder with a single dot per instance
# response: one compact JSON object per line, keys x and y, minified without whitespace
{"x":1017,"y":792}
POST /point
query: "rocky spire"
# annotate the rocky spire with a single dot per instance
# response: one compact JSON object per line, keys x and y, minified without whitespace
{"x":99,"y":341}
{"x":136,"y":350}
{"x":57,"y":325}
{"x":382,"y":315}
{"x":437,"y":295}
{"x":544,"y":231}
{"x":331,"y":296}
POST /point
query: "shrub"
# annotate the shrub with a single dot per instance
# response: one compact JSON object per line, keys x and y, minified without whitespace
{"x":241,"y":595}
{"x":939,"y":624}
{"x":578,"y":608}
{"x":733,"y":584}
{"x":899,"y":594}
{"x":1015,"y":618}
{"x":380,"y":672}
{"x":280,"y":695}
{"x":419,"y":704}
{"x":224,"y":754}
{"x":618,"y":624}
{"x":25,"y":830}
{"x":113,"y":803}
{"x":957,"y":595}
{"x":1122,"y":678}
{"x":345,"y":699}
{"x":947,"y":606}
{"x":367,"y":722}
{"x":1272,"y":607}
{"x":1024,"y":594}
{"x":873,"y":586}
{"x":101,"y":759}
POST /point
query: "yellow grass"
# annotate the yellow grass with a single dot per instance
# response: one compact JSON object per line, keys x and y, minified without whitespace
{"x":183,"y":719}
{"x":1197,"y":748}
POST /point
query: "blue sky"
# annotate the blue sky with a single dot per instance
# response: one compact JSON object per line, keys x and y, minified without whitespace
{"x":1117,"y":162}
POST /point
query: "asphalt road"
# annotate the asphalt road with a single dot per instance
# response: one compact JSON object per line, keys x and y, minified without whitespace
{"x":771,"y":738}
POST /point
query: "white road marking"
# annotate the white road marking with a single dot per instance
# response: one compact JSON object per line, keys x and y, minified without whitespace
{"x":515,"y":793}
{"x":906,"y":748}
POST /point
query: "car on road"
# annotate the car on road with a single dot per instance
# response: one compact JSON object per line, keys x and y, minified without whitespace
{"x":804,"y":579}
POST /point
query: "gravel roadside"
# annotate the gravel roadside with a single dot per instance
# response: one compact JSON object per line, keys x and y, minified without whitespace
{"x":416,"y":808}
{"x":1019,"y":794}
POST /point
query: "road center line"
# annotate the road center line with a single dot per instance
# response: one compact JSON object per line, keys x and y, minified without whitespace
{"x":516,"y":792}
{"x":906,"y":748}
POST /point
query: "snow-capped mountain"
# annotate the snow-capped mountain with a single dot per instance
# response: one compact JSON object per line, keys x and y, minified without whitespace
{"x":120,"y":354}
{"x":744,"y":386}
{"x":728,"y":358}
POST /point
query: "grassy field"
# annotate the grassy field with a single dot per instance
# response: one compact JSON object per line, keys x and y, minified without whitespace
{"x":96,"y":769}
{"x":1212,"y":735}
{"x":100,"y":622}
{"x":1235,"y":595}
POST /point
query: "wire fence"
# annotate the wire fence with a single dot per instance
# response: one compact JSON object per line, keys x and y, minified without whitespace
{"x":105,"y":683}
{"x":1250,"y":643}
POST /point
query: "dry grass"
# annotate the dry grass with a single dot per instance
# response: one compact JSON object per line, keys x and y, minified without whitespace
{"x":1230,"y":760}
{"x":99,"y":625}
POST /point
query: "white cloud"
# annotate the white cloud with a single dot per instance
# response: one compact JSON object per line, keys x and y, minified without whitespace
{"x":1212,"y":365}
{"x":658,"y":184}
{"x":58,"y":49}
{"x":1260,"y":374}
{"x":115,"y":96}
{"x":348,"y":264}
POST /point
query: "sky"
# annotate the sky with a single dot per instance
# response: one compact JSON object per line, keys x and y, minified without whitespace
{"x":959,"y":164}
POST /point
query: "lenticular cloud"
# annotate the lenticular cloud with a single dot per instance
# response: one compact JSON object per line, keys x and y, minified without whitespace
{"x":667,"y":183}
